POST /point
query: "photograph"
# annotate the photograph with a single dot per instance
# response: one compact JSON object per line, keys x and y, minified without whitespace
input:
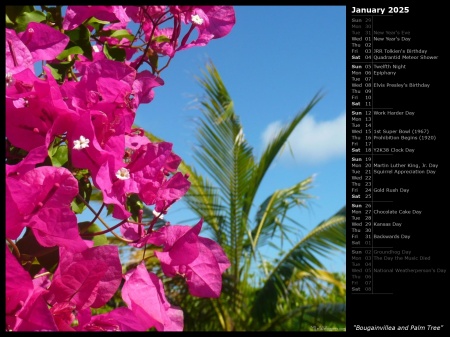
{"x":179,"y":168}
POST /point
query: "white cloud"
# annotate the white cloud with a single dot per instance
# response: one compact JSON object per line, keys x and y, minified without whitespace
{"x":312,"y":142}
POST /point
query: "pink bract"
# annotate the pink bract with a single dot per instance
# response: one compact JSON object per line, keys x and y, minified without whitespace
{"x":119,"y":319}
{"x":18,"y":56}
{"x":180,"y":243}
{"x":204,"y":265}
{"x":44,"y":114}
{"x":43,"y":41}
{"x":217,"y":22}
{"x":40,"y":199}
{"x":26,"y":309}
{"x":104,"y":276}
{"x":143,"y":292}
{"x":76,"y":15}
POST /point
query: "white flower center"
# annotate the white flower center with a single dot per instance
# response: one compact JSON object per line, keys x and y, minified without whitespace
{"x":81,"y":143}
{"x":196,"y":19}
{"x":123,"y":174}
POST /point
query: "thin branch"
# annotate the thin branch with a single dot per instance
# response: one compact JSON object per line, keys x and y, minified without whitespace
{"x":14,"y":247}
{"x":102,"y":221}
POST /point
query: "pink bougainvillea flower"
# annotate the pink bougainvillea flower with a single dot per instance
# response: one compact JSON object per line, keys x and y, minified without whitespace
{"x":221,"y":20}
{"x":180,"y":243}
{"x":76,"y":15}
{"x":18,"y":288}
{"x":43,"y":41}
{"x":35,"y":315}
{"x":116,"y":183}
{"x":119,"y":319}
{"x":143,"y":292}
{"x":77,"y":284}
{"x":83,"y":61}
{"x":211,"y":22}
{"x":25,"y":308}
{"x":34,"y":157}
{"x":164,"y":39}
{"x":141,"y":170}
{"x":165,"y":194}
{"x":18,"y":56}
{"x":144,"y":84}
{"x":40,"y":199}
{"x":203,"y":274}
{"x":88,"y":278}
{"x":18,"y":201}
{"x":38,"y":42}
{"x":147,"y":158}
{"x":141,"y":13}
{"x":108,"y":87}
{"x":132,"y":232}
{"x":64,"y":315}
{"x":84,"y":148}
{"x":44,"y":114}
{"x":172,"y":162}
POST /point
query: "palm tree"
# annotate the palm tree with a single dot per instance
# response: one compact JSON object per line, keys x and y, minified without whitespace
{"x":292,"y":288}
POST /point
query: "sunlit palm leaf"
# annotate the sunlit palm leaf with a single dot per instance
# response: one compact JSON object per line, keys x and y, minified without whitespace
{"x":225,"y":155}
{"x":271,"y":214}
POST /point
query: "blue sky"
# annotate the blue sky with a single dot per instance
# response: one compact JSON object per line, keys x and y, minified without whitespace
{"x":273,"y":62}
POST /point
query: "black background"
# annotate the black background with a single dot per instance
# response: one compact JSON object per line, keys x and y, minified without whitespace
{"x":415,"y":299}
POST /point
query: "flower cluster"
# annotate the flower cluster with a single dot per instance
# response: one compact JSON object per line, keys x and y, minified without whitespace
{"x":69,"y":132}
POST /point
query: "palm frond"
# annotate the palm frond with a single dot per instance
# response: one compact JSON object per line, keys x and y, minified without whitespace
{"x":311,"y":316}
{"x":325,"y":238}
{"x":225,"y":155}
{"x":272,"y":213}
{"x":273,"y":149}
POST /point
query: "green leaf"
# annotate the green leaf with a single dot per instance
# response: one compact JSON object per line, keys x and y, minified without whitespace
{"x":114,"y":53}
{"x":58,"y":155}
{"x":70,"y":51}
{"x":86,"y":228}
{"x":95,"y":23}
{"x":60,"y":70}
{"x":134,"y":205}
{"x":80,"y":37}
{"x":110,"y":209}
{"x":30,"y":248}
{"x":26,"y":17}
{"x":81,"y":173}
{"x":153,"y":58}
{"x":85,"y":190}
{"x":118,"y":34}
{"x":99,"y":240}
{"x":12,"y":12}
{"x":161,"y":38}
{"x":9,"y":23}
